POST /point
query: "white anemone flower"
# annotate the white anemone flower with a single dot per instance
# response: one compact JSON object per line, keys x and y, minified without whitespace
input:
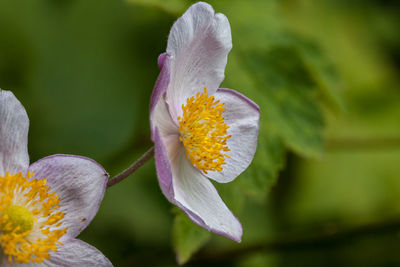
{"x":201,"y":131}
{"x":44,"y":206}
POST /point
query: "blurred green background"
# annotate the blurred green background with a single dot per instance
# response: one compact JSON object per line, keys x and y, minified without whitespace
{"x":324,"y":186}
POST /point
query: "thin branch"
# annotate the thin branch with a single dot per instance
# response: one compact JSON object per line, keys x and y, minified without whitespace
{"x":131,"y":169}
{"x":320,"y":241}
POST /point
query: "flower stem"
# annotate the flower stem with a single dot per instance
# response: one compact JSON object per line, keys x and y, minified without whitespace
{"x":131,"y":169}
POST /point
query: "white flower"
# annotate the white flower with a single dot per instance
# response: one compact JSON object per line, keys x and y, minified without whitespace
{"x":44,"y":206}
{"x":201,"y":131}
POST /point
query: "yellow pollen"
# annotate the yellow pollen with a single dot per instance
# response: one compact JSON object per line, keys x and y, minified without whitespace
{"x":20,"y":219}
{"x":29,"y":220}
{"x":204,"y":132}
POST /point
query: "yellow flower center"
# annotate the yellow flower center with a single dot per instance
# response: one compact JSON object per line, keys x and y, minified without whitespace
{"x":204,"y":132}
{"x":19,"y":219}
{"x":29,"y":220}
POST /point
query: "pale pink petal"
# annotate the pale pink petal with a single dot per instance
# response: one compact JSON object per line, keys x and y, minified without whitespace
{"x":163,"y":166}
{"x":14,"y":126}
{"x":198,"y":45}
{"x":73,"y":252}
{"x":199,"y":199}
{"x":242,"y":116}
{"x":161,"y":119}
{"x":162,"y":81}
{"x":80,"y":183}
{"x":186,"y":187}
{"x":159,"y":112}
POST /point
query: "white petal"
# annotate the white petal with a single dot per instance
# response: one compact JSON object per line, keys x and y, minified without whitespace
{"x":196,"y":195}
{"x":14,"y":125}
{"x":161,"y":119}
{"x":75,"y":252}
{"x":242,"y":116}
{"x":198,"y":44}
{"x":165,"y":147}
{"x":80,"y":183}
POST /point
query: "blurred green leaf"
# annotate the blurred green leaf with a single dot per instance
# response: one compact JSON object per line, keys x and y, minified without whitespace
{"x":262,"y":174}
{"x":287,"y":97}
{"x":323,"y":73}
{"x":288,"y":77}
{"x":284,"y":87}
{"x":187,"y":237}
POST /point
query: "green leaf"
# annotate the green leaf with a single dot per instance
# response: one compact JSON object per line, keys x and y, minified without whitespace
{"x":322,"y":72}
{"x":286,"y":97}
{"x":262,"y":174}
{"x":187,"y":237}
{"x":289,"y":78}
{"x":279,"y":81}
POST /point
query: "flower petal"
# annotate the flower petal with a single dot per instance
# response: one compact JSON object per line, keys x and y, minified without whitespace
{"x":14,"y":126}
{"x":161,"y":118}
{"x":167,"y":149}
{"x":75,"y":252}
{"x":199,"y":199}
{"x":162,"y":81}
{"x":198,"y":44}
{"x":242,"y":116}
{"x":80,"y":183}
{"x":163,"y":166}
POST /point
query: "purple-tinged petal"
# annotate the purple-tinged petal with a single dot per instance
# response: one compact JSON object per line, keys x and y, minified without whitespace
{"x":73,"y":252}
{"x":161,"y":60}
{"x":242,"y":116}
{"x":14,"y":126}
{"x":163,"y":165}
{"x":199,"y":199}
{"x":162,"y":81}
{"x":80,"y":183}
{"x":198,"y":45}
{"x":159,"y":113}
{"x":161,"y":119}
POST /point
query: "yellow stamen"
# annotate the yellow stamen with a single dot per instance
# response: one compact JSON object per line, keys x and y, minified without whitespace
{"x":204,"y":132}
{"x":29,"y":222}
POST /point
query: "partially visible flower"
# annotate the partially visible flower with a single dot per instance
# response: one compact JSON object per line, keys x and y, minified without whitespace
{"x":200,"y":131}
{"x":44,"y":206}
